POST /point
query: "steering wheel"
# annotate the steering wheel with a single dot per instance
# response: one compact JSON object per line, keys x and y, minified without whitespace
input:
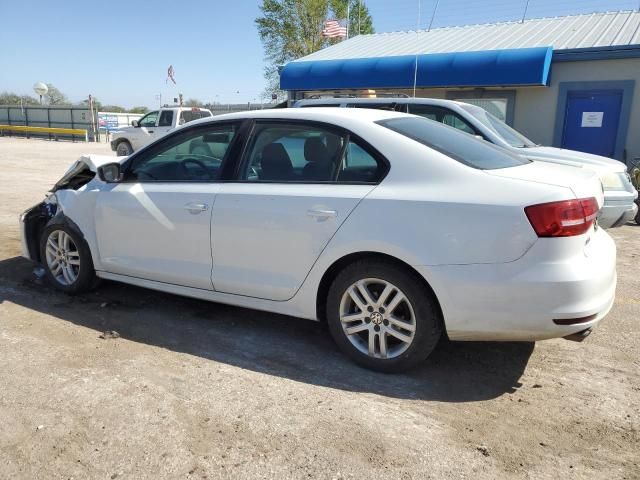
{"x":202,"y":170}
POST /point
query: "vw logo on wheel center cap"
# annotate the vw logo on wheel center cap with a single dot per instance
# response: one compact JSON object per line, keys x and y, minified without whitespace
{"x":376,"y":318}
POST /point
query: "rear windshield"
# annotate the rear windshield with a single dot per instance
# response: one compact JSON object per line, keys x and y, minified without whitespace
{"x":454,"y":143}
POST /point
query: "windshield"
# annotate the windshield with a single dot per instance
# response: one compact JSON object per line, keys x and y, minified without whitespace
{"x":504,"y":131}
{"x":454,"y":143}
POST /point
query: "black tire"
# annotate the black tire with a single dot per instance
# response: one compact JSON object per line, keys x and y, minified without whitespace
{"x":427,"y":319}
{"x":123,"y":149}
{"x":637,"y":219}
{"x":85,"y":278}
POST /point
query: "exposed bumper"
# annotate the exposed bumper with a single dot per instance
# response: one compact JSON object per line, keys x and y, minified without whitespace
{"x":519,"y":301}
{"x":617,"y":209}
{"x":24,"y":247}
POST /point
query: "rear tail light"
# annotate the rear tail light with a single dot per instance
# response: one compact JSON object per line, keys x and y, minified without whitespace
{"x":563,"y":219}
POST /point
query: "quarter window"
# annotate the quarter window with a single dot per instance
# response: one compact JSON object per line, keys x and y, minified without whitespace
{"x":292,"y":153}
{"x":191,"y":156}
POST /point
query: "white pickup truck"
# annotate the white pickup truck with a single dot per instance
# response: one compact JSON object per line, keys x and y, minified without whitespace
{"x":153,"y":126}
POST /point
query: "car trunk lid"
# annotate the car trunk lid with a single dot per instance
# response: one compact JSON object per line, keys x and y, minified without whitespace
{"x":584,"y":183}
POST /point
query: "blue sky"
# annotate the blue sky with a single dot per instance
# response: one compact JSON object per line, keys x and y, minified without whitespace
{"x":120,"y":50}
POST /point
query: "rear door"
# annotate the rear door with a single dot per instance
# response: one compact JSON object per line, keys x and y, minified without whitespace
{"x":296,"y":185}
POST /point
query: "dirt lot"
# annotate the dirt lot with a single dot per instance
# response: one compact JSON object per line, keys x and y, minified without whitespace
{"x":199,"y":390}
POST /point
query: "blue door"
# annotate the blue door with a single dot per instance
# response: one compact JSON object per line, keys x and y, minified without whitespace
{"x":591,"y":121}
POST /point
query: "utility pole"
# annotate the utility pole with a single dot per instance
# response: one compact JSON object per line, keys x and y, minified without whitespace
{"x":415,"y":72}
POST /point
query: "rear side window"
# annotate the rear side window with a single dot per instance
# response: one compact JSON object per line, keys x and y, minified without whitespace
{"x":454,"y":143}
{"x":166,"y":118}
{"x":300,"y":152}
{"x":187,"y":116}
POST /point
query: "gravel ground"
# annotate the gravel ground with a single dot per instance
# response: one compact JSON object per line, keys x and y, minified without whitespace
{"x":192,"y":389}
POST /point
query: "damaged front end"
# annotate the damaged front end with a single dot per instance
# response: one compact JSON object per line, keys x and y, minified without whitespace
{"x":34,"y":220}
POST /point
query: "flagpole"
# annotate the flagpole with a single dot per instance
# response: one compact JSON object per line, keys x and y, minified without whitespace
{"x":348,"y":5}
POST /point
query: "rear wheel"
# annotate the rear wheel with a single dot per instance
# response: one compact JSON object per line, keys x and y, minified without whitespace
{"x":382,"y":316}
{"x":66,"y":259}
{"x":124,"y":149}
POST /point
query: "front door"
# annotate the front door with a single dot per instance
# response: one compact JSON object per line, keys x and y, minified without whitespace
{"x":296,"y":186}
{"x":144,"y":133}
{"x":156,"y":223}
{"x":591,"y":121}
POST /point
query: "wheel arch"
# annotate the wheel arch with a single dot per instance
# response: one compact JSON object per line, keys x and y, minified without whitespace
{"x":339,"y":264}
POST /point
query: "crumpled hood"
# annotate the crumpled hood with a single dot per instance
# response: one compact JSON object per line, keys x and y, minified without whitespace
{"x":574,"y":158}
{"x":84,"y":163}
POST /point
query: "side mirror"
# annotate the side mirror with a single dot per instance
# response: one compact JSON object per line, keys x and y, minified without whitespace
{"x":110,"y":173}
{"x":134,"y":123}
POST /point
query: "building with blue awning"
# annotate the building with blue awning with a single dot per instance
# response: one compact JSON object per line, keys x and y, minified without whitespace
{"x":532,"y":74}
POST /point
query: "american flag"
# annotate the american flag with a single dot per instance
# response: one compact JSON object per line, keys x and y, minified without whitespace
{"x":334,"y":29}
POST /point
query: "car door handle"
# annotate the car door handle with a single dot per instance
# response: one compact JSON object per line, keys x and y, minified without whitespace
{"x":150,"y":131}
{"x":196,"y":207}
{"x":318,"y":213}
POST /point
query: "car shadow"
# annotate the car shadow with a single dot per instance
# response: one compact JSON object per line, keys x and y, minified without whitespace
{"x":267,"y":343}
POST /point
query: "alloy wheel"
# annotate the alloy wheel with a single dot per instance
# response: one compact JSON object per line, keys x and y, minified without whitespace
{"x":63,"y":257}
{"x":377,"y":318}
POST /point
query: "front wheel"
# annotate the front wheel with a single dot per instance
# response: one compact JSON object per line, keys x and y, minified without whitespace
{"x":124,"y":149}
{"x":382,"y":316}
{"x":67,"y":259}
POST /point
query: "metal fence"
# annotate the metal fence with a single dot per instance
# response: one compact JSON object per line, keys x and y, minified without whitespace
{"x":49,"y":117}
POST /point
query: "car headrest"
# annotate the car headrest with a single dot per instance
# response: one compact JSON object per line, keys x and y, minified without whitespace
{"x":275,"y":163}
{"x":316,"y":151}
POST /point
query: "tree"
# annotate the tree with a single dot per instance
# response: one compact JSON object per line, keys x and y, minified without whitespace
{"x":138,"y":110}
{"x":193,"y":102}
{"x":10,"y":98}
{"x":360,"y":21}
{"x":112,"y":108}
{"x":55,"y":96}
{"x":290,"y":29}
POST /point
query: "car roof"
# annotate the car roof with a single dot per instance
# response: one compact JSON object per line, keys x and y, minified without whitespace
{"x":327,"y":114}
{"x":390,"y":100}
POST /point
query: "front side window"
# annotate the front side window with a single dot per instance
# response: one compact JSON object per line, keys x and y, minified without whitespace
{"x":149,"y":120}
{"x":190,"y":156}
{"x":291,"y":153}
{"x":166,"y":118}
{"x":454,"y":143}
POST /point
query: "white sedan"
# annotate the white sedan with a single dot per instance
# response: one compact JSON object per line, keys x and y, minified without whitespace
{"x":394,"y":229}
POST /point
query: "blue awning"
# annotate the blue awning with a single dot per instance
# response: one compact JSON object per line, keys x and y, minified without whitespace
{"x":513,"y":67}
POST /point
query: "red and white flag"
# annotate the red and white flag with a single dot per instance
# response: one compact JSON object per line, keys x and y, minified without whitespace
{"x":334,"y":29}
{"x":171,"y":75}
